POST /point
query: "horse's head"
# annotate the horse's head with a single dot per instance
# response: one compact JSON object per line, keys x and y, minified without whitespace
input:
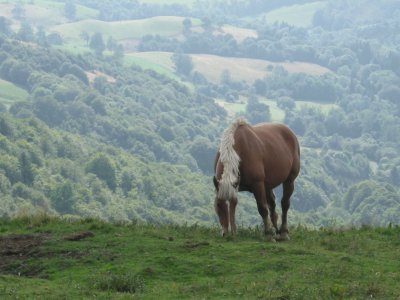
{"x":217,"y":183}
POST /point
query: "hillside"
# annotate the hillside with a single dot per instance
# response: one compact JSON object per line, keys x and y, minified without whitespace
{"x":45,"y":257}
{"x":212,"y":67}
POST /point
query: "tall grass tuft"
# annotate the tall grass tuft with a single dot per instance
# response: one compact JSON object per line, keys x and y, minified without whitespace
{"x":35,"y":217}
{"x":119,"y":282}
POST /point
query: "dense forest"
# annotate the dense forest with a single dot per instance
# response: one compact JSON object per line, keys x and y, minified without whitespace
{"x":85,"y":131}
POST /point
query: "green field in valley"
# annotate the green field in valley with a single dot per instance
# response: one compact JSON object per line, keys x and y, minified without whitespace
{"x":122,"y":30}
{"x":47,"y":258}
{"x":10,"y":93}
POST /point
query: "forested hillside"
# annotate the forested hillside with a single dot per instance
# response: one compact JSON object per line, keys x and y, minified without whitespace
{"x":114,"y":110}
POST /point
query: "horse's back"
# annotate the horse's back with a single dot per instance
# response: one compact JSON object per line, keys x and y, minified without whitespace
{"x":277,"y":152}
{"x":277,"y":135}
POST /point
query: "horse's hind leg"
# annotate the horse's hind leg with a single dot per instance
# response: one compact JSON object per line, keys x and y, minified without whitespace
{"x":259,"y":194}
{"x":232,"y":209}
{"x":288,"y":187}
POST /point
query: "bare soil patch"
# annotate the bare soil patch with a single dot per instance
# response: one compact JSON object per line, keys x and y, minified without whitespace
{"x":16,"y":250}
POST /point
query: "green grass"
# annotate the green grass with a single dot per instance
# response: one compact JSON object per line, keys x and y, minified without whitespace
{"x":122,"y":30}
{"x":163,"y":65}
{"x":128,"y":261}
{"x":324,"y":107}
{"x":48,"y":13}
{"x":212,"y":66}
{"x":297,"y":15}
{"x":10,"y":93}
{"x":277,"y":114}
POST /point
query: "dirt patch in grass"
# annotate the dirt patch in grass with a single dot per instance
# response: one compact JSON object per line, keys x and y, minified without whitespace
{"x":25,"y":245}
{"x":16,"y":250}
{"x":79,"y":236}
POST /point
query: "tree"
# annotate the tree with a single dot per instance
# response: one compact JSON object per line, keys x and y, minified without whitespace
{"x":70,"y":10}
{"x":6,"y":126}
{"x":111,"y":43}
{"x":25,"y":33}
{"x":85,"y":36}
{"x":5,"y":26}
{"x":49,"y":111}
{"x":260,"y":87}
{"x":257,"y":112}
{"x":97,"y":43}
{"x":183,"y":63}
{"x":41,"y":38}
{"x":27,"y":175}
{"x":19,"y":73}
{"x":187,"y":25}
{"x":203,"y":152}
{"x":102,"y":166}
{"x":63,"y":197}
{"x":55,"y":39}
{"x":18,"y":12}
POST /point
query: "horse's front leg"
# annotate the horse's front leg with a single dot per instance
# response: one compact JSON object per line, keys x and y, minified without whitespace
{"x":232,"y":209}
{"x":271,"y":206}
{"x":259,"y":194}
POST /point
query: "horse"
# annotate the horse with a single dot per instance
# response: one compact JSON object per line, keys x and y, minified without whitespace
{"x":256,"y":159}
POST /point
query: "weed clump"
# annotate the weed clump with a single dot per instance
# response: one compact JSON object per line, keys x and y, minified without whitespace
{"x":121,"y":282}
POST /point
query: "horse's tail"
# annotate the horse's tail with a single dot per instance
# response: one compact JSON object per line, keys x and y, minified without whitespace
{"x":230,"y":160}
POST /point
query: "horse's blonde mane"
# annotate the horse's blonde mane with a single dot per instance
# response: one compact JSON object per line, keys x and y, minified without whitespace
{"x":230,"y":160}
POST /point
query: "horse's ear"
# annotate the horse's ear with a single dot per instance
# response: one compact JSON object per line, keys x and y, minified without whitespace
{"x":215,"y":182}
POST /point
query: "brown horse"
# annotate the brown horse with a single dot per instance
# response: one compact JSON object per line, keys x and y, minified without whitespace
{"x":256,"y":159}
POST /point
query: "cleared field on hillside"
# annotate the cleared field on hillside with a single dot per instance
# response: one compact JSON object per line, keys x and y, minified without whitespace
{"x":45,"y":13}
{"x":123,"y":30}
{"x":212,"y":66}
{"x":297,"y":15}
{"x":235,"y":108}
{"x":239,"y":34}
{"x":10,"y":93}
{"x":277,"y":114}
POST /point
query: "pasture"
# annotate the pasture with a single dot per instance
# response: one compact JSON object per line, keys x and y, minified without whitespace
{"x":45,"y":13}
{"x":277,"y":114}
{"x":235,"y":108}
{"x":51,"y":258}
{"x":300,"y":15}
{"x":10,"y":93}
{"x":240,"y":69}
{"x":122,"y":30}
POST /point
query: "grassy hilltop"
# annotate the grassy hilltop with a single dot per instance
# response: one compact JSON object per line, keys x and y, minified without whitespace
{"x":45,"y":258}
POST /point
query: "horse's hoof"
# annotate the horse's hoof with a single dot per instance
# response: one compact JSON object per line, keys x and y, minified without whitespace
{"x":283,"y":237}
{"x":270,"y":238}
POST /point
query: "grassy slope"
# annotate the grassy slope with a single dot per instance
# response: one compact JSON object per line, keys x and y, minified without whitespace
{"x":212,"y":66}
{"x":297,"y":15}
{"x":122,"y":30}
{"x":277,"y":114}
{"x":194,"y":262}
{"x":45,"y":12}
{"x":9,"y":93}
